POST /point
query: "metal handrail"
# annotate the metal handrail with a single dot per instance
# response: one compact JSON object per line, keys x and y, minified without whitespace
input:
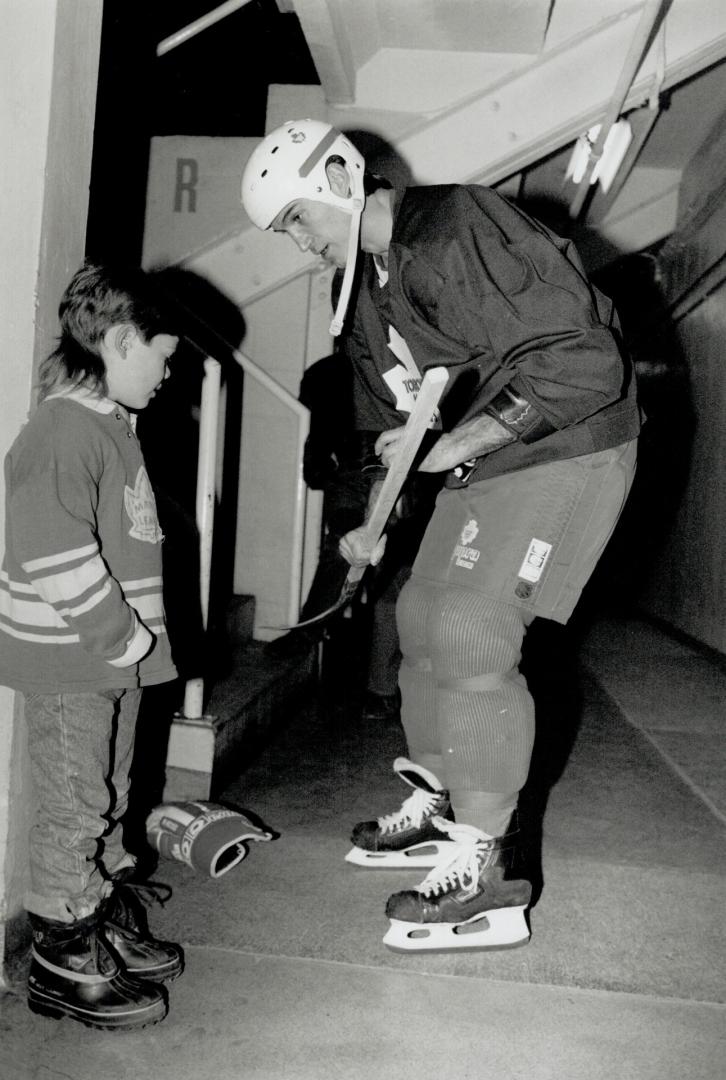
{"x":205,"y":500}
{"x":303,"y":429}
{"x":206,"y":492}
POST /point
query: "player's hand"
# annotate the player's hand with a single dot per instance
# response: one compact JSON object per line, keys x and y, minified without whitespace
{"x":387,"y":445}
{"x":355,"y":547}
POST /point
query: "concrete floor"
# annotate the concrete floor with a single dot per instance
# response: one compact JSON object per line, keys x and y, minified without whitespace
{"x":623,"y":979}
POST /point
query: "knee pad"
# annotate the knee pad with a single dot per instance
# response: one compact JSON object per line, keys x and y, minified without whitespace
{"x":469,"y":641}
{"x":413,"y":608}
{"x":486,"y":712}
{"x":419,"y":713}
{"x":475,"y":641}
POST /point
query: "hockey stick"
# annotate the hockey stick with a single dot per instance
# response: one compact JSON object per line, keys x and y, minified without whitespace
{"x":429,"y":395}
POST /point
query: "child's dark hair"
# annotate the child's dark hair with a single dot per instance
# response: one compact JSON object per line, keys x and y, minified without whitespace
{"x":97,"y":298}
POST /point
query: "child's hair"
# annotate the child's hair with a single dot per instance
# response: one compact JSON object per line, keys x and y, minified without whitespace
{"x":97,"y":298}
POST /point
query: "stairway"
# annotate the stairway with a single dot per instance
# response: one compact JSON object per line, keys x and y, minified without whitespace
{"x":256,"y":686}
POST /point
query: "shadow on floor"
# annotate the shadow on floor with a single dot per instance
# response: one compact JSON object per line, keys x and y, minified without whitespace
{"x":287,"y":978}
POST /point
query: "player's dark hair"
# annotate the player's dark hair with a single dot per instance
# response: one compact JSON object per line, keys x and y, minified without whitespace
{"x":372,"y":182}
{"x":97,"y":298}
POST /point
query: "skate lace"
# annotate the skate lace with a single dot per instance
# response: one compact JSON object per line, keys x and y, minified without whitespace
{"x":416,"y":807}
{"x":461,"y":871}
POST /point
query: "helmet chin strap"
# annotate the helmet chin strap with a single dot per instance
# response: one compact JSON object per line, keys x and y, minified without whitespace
{"x":353,"y":239}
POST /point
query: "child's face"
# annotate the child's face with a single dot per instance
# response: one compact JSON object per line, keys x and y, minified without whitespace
{"x":135,"y":369}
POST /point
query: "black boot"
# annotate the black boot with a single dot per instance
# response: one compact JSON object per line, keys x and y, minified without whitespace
{"x":73,"y":973}
{"x":126,"y":928}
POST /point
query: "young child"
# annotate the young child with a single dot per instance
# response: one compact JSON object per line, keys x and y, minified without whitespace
{"x":81,"y":632}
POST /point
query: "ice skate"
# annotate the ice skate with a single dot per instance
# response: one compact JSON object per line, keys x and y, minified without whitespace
{"x":407,"y":838}
{"x":465,"y":902}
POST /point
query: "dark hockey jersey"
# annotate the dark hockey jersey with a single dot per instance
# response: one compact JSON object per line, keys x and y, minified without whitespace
{"x":476,"y":285}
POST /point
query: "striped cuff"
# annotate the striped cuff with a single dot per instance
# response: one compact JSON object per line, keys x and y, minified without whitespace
{"x":136,"y":649}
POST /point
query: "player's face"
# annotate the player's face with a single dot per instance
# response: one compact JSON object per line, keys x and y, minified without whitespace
{"x":316,"y":227}
{"x":137,"y":370}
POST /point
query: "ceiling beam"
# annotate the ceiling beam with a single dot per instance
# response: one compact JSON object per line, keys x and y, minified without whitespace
{"x":547,"y":104}
{"x":330,"y":47}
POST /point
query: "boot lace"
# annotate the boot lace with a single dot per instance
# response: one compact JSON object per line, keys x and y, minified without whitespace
{"x":461,"y":870}
{"x":129,"y":901}
{"x":416,"y":807}
{"x":149,"y":892}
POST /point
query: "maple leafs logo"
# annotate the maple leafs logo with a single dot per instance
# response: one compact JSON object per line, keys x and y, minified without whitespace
{"x":469,"y":531}
{"x":140,"y":505}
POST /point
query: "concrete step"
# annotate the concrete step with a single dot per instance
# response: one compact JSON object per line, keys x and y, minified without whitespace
{"x":261,"y":688}
{"x":240,"y":619}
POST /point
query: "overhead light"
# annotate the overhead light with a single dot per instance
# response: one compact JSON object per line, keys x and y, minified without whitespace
{"x":616,"y":146}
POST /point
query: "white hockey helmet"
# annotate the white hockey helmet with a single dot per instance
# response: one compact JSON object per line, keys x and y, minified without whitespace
{"x":289,"y":164}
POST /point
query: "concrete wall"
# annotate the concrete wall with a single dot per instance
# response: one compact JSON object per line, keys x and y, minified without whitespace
{"x":48,"y":67}
{"x":687,"y":586}
{"x":691,"y":586}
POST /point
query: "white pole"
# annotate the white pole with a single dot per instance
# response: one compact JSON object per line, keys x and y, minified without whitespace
{"x":206,"y":494}
{"x":298,"y":526}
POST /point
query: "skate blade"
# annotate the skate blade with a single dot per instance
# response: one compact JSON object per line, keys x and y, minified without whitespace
{"x":500,"y":928}
{"x":420,"y":857}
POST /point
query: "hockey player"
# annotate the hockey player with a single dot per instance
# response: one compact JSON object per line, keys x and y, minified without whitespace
{"x":537,"y":439}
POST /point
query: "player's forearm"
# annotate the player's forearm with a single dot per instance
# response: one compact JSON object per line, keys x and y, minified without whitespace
{"x":471,"y":440}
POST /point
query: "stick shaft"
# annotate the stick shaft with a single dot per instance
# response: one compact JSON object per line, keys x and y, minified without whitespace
{"x":429,"y":395}
{"x":432,"y":387}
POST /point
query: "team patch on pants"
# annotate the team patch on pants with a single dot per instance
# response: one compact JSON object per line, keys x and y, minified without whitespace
{"x":535,"y":560}
{"x":465,"y":555}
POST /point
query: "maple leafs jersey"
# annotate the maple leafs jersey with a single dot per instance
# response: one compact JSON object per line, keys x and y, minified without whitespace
{"x":81,"y":584}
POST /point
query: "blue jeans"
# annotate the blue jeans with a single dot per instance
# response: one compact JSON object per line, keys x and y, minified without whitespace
{"x":81,"y":746}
